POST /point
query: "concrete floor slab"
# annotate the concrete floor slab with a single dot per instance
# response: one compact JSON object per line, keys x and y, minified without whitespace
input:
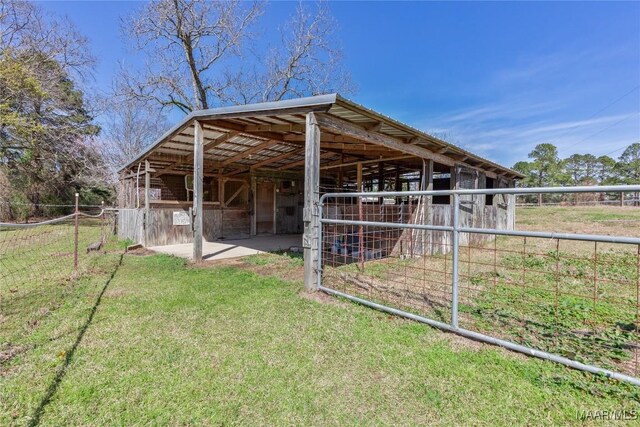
{"x":223,"y":249}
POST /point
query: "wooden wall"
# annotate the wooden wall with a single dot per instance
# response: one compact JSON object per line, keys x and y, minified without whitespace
{"x":131,"y":225}
{"x":217,"y":224}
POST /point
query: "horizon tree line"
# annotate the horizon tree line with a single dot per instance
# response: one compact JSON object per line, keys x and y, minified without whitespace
{"x":546,"y":169}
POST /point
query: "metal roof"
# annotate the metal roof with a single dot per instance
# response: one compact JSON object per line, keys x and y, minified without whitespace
{"x":246,"y":128}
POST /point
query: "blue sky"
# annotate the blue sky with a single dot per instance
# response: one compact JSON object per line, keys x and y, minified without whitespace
{"x":495,"y":78}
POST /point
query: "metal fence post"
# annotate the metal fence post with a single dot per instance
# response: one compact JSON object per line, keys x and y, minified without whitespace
{"x":320,"y":245}
{"x":456,"y":255}
{"x":75,"y":238}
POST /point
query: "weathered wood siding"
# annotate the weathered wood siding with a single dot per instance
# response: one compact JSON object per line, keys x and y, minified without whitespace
{"x":130,"y":225}
{"x":217,"y":224}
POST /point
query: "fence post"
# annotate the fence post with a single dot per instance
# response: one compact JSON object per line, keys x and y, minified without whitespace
{"x":455,"y":261}
{"x":75,"y":238}
{"x":320,"y":246}
{"x":311,"y":247}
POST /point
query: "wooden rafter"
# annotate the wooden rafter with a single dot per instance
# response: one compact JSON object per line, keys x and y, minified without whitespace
{"x":346,"y":127}
{"x":387,"y":159}
{"x":249,"y":151}
{"x":189,"y":158}
{"x":276,"y":158}
{"x":275,"y":128}
{"x":301,"y":162}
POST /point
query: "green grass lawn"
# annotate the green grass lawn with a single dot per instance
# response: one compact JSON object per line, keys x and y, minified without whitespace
{"x":170,"y":344}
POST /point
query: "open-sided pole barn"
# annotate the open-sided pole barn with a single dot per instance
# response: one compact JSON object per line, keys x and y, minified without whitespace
{"x":250,"y":170}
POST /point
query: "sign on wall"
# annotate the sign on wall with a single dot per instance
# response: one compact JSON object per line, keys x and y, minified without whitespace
{"x":181,"y":218}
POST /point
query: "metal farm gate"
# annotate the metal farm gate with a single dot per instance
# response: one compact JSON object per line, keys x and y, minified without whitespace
{"x":463,"y":267}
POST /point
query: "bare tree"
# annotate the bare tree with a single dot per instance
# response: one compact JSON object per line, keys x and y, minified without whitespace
{"x":130,"y":127}
{"x":187,"y":42}
{"x":306,"y":62}
{"x":26,"y":30}
{"x":199,"y":54}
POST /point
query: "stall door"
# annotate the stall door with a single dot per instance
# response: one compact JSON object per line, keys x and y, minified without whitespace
{"x":265,"y":199}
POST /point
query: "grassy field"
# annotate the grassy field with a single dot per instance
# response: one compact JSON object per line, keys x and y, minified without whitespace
{"x":149,"y":340}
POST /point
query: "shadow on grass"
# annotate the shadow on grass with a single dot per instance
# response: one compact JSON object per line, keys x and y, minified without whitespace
{"x":55,"y":383}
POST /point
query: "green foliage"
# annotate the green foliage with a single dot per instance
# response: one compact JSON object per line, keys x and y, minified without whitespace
{"x":546,"y":169}
{"x":629,"y":166}
{"x":45,"y":124}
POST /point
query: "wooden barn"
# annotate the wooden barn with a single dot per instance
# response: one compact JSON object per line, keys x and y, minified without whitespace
{"x":254,"y":170}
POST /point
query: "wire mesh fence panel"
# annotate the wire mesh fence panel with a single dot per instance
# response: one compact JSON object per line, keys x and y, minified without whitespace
{"x":575,"y":299}
{"x":565,"y":293}
{"x":41,"y":262}
{"x":384,"y":263}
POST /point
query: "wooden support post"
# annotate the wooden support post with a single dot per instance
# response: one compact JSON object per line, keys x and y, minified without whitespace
{"x":427,"y":174}
{"x":380,"y":180}
{"x":254,"y":194}
{"x":427,"y":179}
{"x":147,"y":185}
{"x":221,"y":184}
{"x":275,"y":207}
{"x":198,"y":160}
{"x":453,"y":181}
{"x":310,"y":218}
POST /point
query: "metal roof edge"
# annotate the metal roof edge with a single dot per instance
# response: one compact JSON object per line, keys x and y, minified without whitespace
{"x":310,"y":101}
{"x":347,"y":103}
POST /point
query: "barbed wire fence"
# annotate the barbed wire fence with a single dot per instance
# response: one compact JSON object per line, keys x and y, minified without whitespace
{"x":42,"y":259}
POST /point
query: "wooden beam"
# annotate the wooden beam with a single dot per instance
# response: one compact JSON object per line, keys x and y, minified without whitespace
{"x":254,"y":189}
{"x":198,"y":145}
{"x":171,"y":169}
{"x":248,"y":152}
{"x":345,"y":127}
{"x":301,"y":162}
{"x":275,"y":128}
{"x":147,"y":187}
{"x":359,"y":177}
{"x":220,"y":140}
{"x":275,"y":159}
{"x":274,"y":218}
{"x":380,"y":180}
{"x":376,"y":127}
{"x":135,"y":174}
{"x":383,"y":159}
{"x":310,"y":216}
{"x":187,"y":159}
